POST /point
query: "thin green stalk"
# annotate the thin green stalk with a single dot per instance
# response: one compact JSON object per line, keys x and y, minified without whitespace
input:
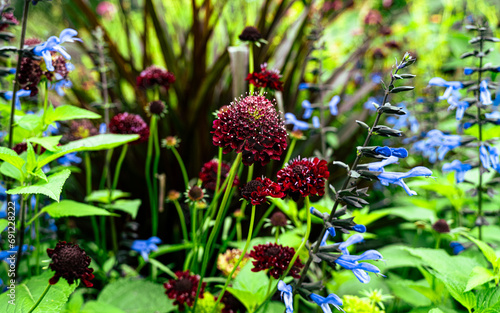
{"x":118,"y":168}
{"x":20,"y":242}
{"x":156,"y":162}
{"x":211,"y":238}
{"x":37,"y":237}
{"x":149,"y":184}
{"x":193,"y":230}
{"x":242,"y":256}
{"x":262,"y":220}
{"x":277,"y":234}
{"x":40,"y":299}
{"x":289,"y":152}
{"x":182,"y":166}
{"x":243,"y":205}
{"x":479,"y":123}
{"x":105,"y":170}
{"x":183,"y":220}
{"x":88,"y":184}
{"x":250,"y":66}
{"x":219,"y":170}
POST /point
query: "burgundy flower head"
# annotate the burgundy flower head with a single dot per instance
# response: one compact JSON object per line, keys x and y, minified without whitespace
{"x":30,"y":75}
{"x":23,"y":146}
{"x":266,"y":79}
{"x":7,"y":19}
{"x":156,"y":107}
{"x":276,"y":259}
{"x":258,"y":189}
{"x":208,"y":174}
{"x":125,"y":123}
{"x":60,"y":69}
{"x":304,"y":177}
{"x":183,"y":289}
{"x":250,"y":33}
{"x":231,"y":304}
{"x":70,"y":262}
{"x":441,"y":226}
{"x":251,"y":126}
{"x":80,"y":129}
{"x":155,"y":76}
{"x":278,"y":219}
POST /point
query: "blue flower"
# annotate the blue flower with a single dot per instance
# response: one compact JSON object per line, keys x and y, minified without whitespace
{"x":356,"y":238}
{"x":459,"y":168}
{"x":333,"y":105}
{"x":315,"y":122}
{"x":468,"y":71}
{"x":396,"y":178}
{"x":19,"y":94}
{"x":286,"y":295}
{"x":291,"y":119}
{"x":3,"y":200}
{"x":457,"y":247}
{"x":406,"y":120}
{"x":5,"y":255}
{"x":451,"y":87}
{"x":376,"y":78}
{"x":387,"y":152}
{"x":359,"y":228}
{"x":103,"y":127}
{"x":379,"y":166}
{"x":60,"y":85}
{"x":69,"y":158}
{"x":146,"y":246}
{"x":494,"y":158}
{"x":324,"y":303}
{"x":53,"y":44}
{"x":461,"y":106}
{"x":435,"y":139}
{"x":371,"y":104}
{"x":484,"y":157}
{"x":494,"y":117}
{"x":306,"y":105}
{"x":484,"y":93}
{"x":330,"y":232}
{"x":303,"y":86}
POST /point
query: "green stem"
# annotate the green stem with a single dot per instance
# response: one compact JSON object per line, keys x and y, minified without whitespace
{"x":306,"y":237}
{"x":118,"y":168}
{"x":147,"y":172}
{"x":289,"y":152}
{"x":219,"y":170}
{"x":183,"y":220}
{"x":182,"y":166}
{"x":250,"y":66}
{"x":193,"y":230}
{"x":40,"y":299}
{"x":242,"y":256}
{"x":37,"y":239}
{"x":88,"y":180}
{"x":479,"y":123}
{"x":438,"y":241}
{"x":262,"y":220}
{"x":156,"y":161}
{"x":243,"y":205}
{"x":211,"y":238}
{"x":277,"y":234}
{"x":105,"y":171}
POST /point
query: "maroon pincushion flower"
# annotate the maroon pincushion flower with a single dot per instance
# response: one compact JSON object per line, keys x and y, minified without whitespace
{"x":208,"y":174}
{"x":266,"y":79}
{"x":183,"y":289}
{"x":125,"y":123}
{"x":253,"y":127}
{"x":304,"y":177}
{"x":250,"y":33}
{"x":155,"y":76}
{"x":7,"y":19}
{"x":278,"y":219}
{"x":23,"y":146}
{"x":80,"y":129}
{"x":60,"y":68}
{"x":441,"y":226}
{"x":231,"y":304}
{"x":258,"y":189}
{"x":276,"y":259}
{"x":30,"y":75}
{"x":70,"y":262}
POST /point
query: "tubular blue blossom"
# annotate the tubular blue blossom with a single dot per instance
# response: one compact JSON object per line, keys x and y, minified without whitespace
{"x":315,"y":121}
{"x":457,"y":247}
{"x":330,"y":232}
{"x":297,"y":124}
{"x":459,"y":168}
{"x":19,"y":94}
{"x":356,"y":238}
{"x":333,"y":104}
{"x":359,"y":228}
{"x":306,"y":105}
{"x":379,"y":166}
{"x":484,"y":93}
{"x":387,"y":152}
{"x":451,"y":87}
{"x":494,"y":158}
{"x":323,"y":302}
{"x":484,"y":157}
{"x":437,"y":141}
{"x":396,"y":178}
{"x":144,"y":247}
{"x":468,"y":71}
{"x":53,"y":44}
{"x":460,"y":106}
{"x":406,"y":120}
{"x":286,"y":295}
{"x":69,"y":159}
{"x":494,"y":117}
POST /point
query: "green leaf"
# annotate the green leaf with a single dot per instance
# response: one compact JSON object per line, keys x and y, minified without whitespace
{"x":410,"y":213}
{"x":31,"y":122}
{"x":10,"y":170}
{"x":488,"y":300}
{"x":94,"y":143}
{"x":31,"y":290}
{"x":408,"y":291}
{"x":273,"y":306}
{"x":50,"y":143}
{"x":129,"y":206}
{"x":136,"y":296}
{"x":479,"y":276}
{"x":69,"y":112}
{"x":73,"y":208}
{"x":11,"y":157}
{"x":40,"y":174}
{"x":3,"y":224}
{"x":75,"y":302}
{"x":435,"y":310}
{"x":99,"y":307}
{"x":488,"y":252}
{"x":31,"y":158}
{"x":52,"y":188}
{"x":250,"y":287}
{"x":102,"y":196}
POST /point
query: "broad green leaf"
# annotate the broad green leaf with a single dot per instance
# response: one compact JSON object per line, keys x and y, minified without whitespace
{"x":488,"y":252}
{"x":69,"y":112}
{"x":50,"y":143}
{"x":40,"y":174}
{"x":31,"y":122}
{"x":30,"y":291}
{"x":457,"y":290}
{"x":94,"y":143}
{"x":73,"y":208}
{"x":129,"y":206}
{"x":136,"y":296}
{"x":11,"y":157}
{"x":10,"y":170}
{"x":479,"y":276}
{"x":488,"y":300}
{"x":99,"y":307}
{"x":163,"y":249}
{"x":411,"y":213}
{"x":75,"y":302}
{"x":435,"y":310}
{"x":3,"y":224}
{"x":250,"y":287}
{"x":272,"y":306}
{"x":31,"y":158}
{"x":397,"y":256}
{"x":52,"y":188}
{"x":407,"y":291}
{"x":102,"y":196}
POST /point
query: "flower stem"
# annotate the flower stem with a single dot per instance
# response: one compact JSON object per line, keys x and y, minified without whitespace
{"x":480,"y":130}
{"x":182,"y":166}
{"x":211,"y":238}
{"x":219,"y":170}
{"x":119,"y":167}
{"x":147,"y":172}
{"x":243,"y":205}
{"x":289,"y":152}
{"x":156,"y":161}
{"x":88,"y":180}
{"x":183,"y":220}
{"x":306,"y":237}
{"x":40,"y":299}
{"x":262,"y":220}
{"x":242,"y":256}
{"x":250,"y":66}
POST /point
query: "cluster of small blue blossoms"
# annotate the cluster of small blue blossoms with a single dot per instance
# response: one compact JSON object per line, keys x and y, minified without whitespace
{"x":309,"y":108}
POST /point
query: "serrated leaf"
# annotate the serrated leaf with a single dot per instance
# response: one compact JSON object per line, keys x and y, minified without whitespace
{"x":51,"y":188}
{"x":40,"y":174}
{"x":488,"y":299}
{"x":69,"y":112}
{"x":50,"y":142}
{"x":10,"y":170}
{"x":102,"y":196}
{"x":488,"y":252}
{"x":11,"y":157}
{"x":73,"y":208}
{"x":129,"y":206}
{"x":94,"y":143}
{"x":31,"y":158}
{"x":480,"y":275}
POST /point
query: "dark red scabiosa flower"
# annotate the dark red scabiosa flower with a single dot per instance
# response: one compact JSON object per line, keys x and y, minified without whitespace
{"x":7,"y":19}
{"x":275,"y":258}
{"x":373,"y":17}
{"x":304,"y":177}
{"x":208,"y":174}
{"x":23,"y":146}
{"x":125,"y":123}
{"x":195,"y":193}
{"x":80,"y":129}
{"x":231,"y":304}
{"x":278,"y":219}
{"x":60,"y":68}
{"x":441,"y":226}
{"x":250,"y":33}
{"x":266,"y":79}
{"x":30,"y":75}
{"x":70,"y":262}
{"x":156,"y":107}
{"x":258,"y":189}
{"x":155,"y":76}
{"x":183,"y":289}
{"x":253,"y":127}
